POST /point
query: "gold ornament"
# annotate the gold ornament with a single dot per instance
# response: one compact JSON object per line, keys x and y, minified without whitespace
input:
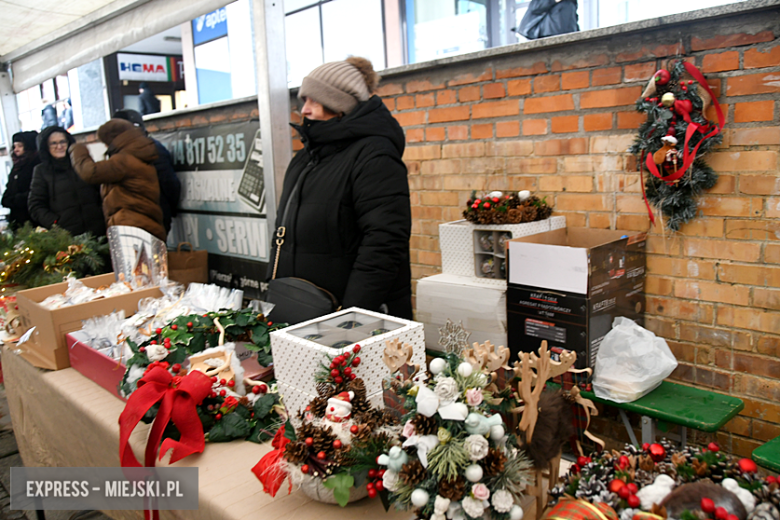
{"x":667,"y":99}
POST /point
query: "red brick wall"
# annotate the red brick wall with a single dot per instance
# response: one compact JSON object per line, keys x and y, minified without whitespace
{"x":558,"y":121}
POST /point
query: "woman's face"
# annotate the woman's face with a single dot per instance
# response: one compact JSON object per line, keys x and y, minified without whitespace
{"x":18,"y":149}
{"x":58,"y":145}
{"x":315,"y":111}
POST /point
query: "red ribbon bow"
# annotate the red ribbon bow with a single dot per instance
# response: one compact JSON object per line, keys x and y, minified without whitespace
{"x":688,"y":156}
{"x":269,"y":471}
{"x":177,"y":404}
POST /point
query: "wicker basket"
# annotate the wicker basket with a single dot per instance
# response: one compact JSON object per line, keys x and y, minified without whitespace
{"x":313,"y":488}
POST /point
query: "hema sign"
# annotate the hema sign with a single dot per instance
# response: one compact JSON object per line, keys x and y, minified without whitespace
{"x":142,"y":67}
{"x":209,"y":26}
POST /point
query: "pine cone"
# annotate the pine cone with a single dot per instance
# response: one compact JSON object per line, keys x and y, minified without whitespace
{"x":529,"y":213}
{"x":514,"y":216}
{"x":412,"y":473}
{"x":493,"y":462}
{"x":305,"y":430}
{"x":387,"y":418}
{"x":454,"y":489}
{"x":424,"y":425}
{"x":325,"y":390}
{"x":323,"y":440}
{"x":296,"y":452}
{"x":419,"y":514}
{"x":318,"y":406}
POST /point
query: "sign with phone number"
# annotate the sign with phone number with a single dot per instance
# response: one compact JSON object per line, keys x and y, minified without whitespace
{"x":222,"y":208}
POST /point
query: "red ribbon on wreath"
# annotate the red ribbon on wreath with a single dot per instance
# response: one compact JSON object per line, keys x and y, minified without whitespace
{"x":688,"y":157}
{"x":269,"y":470}
{"x":178,"y":398}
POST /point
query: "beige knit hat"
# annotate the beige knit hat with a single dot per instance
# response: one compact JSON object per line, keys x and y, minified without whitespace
{"x":340,"y":85}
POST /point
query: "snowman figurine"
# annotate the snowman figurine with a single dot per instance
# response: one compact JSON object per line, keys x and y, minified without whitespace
{"x":339,"y":407}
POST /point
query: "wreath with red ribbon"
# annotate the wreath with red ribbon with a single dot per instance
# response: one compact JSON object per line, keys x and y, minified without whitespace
{"x":672,"y":140}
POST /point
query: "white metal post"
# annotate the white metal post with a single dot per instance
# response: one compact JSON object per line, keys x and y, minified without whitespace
{"x":9,"y":111}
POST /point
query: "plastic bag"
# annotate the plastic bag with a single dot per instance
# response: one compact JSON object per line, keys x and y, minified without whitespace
{"x":631,"y":362}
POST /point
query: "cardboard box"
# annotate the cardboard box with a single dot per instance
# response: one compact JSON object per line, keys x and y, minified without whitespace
{"x":46,"y":347}
{"x":480,"y":307}
{"x":465,"y":246}
{"x":298,"y":350}
{"x":94,"y":365}
{"x":566,"y":286}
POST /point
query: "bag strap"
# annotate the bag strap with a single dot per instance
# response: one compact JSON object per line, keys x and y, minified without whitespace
{"x":178,"y":249}
{"x":281,"y":231}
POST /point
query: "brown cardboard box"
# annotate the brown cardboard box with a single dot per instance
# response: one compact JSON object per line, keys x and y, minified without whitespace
{"x":47,"y":348}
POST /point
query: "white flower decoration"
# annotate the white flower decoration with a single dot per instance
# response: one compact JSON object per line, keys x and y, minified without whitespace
{"x":477,"y":446}
{"x":473,"y":507}
{"x":502,"y":501}
{"x":156,"y":352}
{"x":390,"y":480}
{"x":446,"y":390}
{"x":441,"y":504}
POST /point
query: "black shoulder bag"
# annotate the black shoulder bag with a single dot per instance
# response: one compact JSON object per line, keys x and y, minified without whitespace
{"x":295,"y":299}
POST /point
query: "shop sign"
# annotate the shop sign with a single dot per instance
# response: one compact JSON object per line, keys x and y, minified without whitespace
{"x":209,"y":26}
{"x":142,"y":67}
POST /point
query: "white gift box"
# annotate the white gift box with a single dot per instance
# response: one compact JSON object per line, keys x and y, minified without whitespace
{"x":299,"y":350}
{"x":467,"y":247}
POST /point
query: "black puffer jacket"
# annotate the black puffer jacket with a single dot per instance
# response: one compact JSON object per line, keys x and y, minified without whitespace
{"x":18,"y":188}
{"x":58,"y":195}
{"x":348,"y":226}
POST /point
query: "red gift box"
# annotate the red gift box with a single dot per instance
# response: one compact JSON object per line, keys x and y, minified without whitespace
{"x":90,"y":363}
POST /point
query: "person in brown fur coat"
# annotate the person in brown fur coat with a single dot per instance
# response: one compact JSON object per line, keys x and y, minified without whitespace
{"x":131,"y":193}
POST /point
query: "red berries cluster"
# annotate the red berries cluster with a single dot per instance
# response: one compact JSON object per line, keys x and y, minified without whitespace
{"x":626,"y":491}
{"x":720,"y":513}
{"x":262,"y":388}
{"x":375,"y":483}
{"x":341,"y":366}
{"x":162,"y":364}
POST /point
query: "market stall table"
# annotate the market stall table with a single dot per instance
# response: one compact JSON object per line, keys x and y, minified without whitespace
{"x":62,"y":419}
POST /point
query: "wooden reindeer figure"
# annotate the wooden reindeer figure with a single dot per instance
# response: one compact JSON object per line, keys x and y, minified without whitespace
{"x":546,"y":414}
{"x":397,"y":356}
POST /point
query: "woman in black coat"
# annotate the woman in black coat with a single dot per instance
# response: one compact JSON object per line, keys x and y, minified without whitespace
{"x":25,"y":159}
{"x":57,"y":194}
{"x":349,"y":221}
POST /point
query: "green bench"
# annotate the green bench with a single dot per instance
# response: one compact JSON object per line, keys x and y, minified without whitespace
{"x":684,"y":406}
{"x":768,"y":455}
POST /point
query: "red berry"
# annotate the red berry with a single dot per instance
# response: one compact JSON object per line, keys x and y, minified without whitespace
{"x":256,"y":389}
{"x":142,"y":349}
{"x":379,"y":485}
{"x":495,"y":200}
{"x":153,"y":342}
{"x":223,"y":392}
{"x":352,"y":377}
{"x":231,"y":383}
{"x":356,"y":349}
{"x":213,"y":379}
{"x":333,"y":365}
{"x":338,"y":380}
{"x":623,"y":462}
{"x":713,"y":446}
{"x":372,"y":493}
{"x":176,"y":367}
{"x":582,"y":461}
{"x":690,"y":82}
{"x":624,"y":492}
{"x":174,"y":327}
{"x":381,"y":473}
{"x":474,"y":206}
{"x":354,"y":429}
{"x":657,"y":452}
{"x":732,"y":517}
{"x":707,"y":505}
{"x":370,"y":486}
{"x":337,"y":444}
{"x":645,"y":446}
{"x":478,"y":201}
{"x":348,"y":370}
{"x":158,"y":330}
{"x":308,"y":441}
{"x":616,"y":485}
{"x":486,"y":205}
{"x":747,"y":466}
{"x":222,"y":381}
{"x":771,"y":479}
{"x":633,"y":501}
{"x":305,"y":468}
{"x":632,"y":488}
{"x":165,"y":365}
{"x":189,"y":324}
{"x":721,"y":513}
{"x":321,"y":455}
{"x":574,"y":469}
{"x":334,"y":373}
{"x":372,"y":473}
{"x":219,"y":416}
{"x":263,"y":388}
{"x":356,"y":362}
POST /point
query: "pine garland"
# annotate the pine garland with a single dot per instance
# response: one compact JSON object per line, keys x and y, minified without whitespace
{"x":676,"y":201}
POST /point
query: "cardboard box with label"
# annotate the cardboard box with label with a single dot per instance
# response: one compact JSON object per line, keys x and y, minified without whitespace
{"x":46,"y":346}
{"x":566,"y":286}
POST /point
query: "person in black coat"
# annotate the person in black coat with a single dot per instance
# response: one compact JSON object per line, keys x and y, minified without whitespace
{"x":49,"y":115}
{"x":349,"y":221}
{"x":149,"y":103}
{"x":57,"y":193}
{"x":170,"y":185}
{"x":25,"y":159}
{"x":66,"y":119}
{"x":549,"y":18}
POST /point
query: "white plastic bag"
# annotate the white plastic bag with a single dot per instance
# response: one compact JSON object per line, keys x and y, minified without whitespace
{"x":631,"y":362}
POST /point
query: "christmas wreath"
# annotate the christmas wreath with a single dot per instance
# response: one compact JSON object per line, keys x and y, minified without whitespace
{"x":659,"y":481}
{"x":498,"y":208}
{"x":35,"y":257}
{"x":672,"y":140}
{"x":332,"y":455}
